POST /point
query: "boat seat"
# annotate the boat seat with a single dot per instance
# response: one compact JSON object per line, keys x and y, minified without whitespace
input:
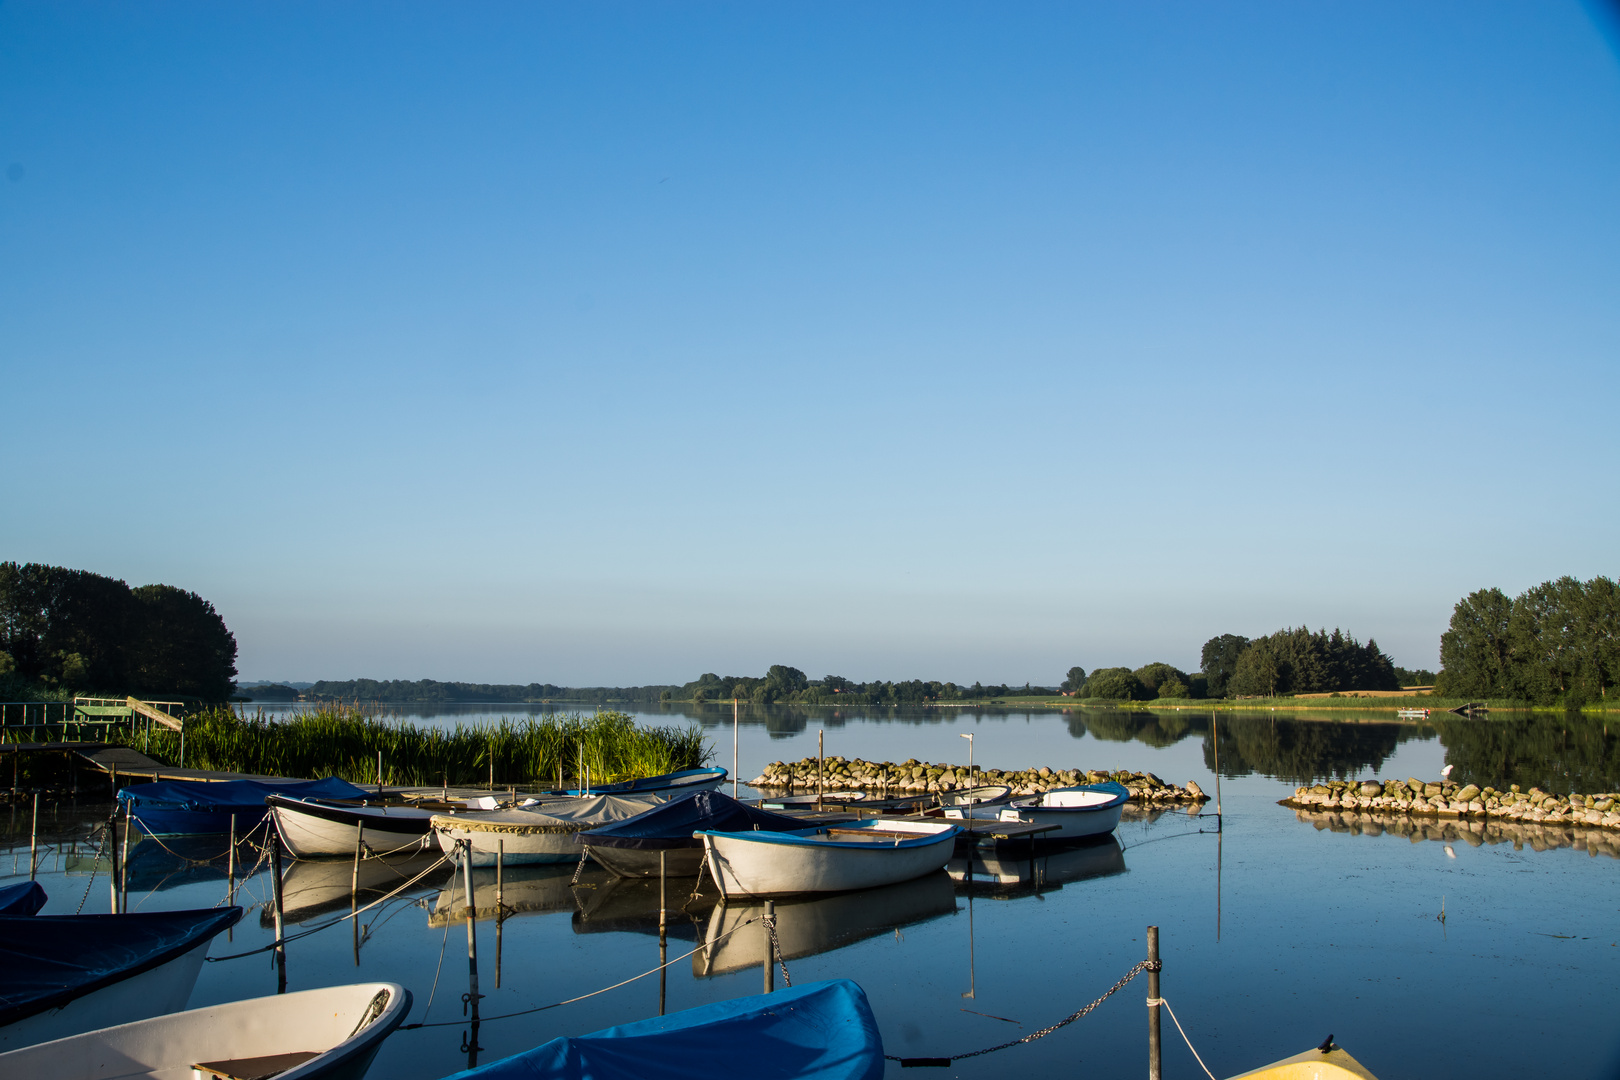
{"x":252,"y":1068}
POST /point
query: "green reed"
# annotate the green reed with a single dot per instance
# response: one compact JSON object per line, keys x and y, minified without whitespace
{"x":344,"y":741}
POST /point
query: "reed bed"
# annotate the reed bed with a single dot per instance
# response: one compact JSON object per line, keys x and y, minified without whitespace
{"x":344,"y":741}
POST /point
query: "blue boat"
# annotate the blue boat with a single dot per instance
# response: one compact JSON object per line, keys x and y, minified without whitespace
{"x":24,"y":899}
{"x":184,"y":807}
{"x":631,"y":848}
{"x":821,"y":1031}
{"x":667,"y":784}
{"x":64,"y":974}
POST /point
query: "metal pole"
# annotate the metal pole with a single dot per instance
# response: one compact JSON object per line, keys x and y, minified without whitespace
{"x":1155,"y":1064}
{"x":770,"y":924}
{"x":280,"y":909}
{"x":821,"y":765}
{"x":123,"y":864}
{"x":472,"y":952}
{"x":379,"y":774}
{"x":733,"y":752}
{"x":663,"y":942}
{"x":1220,"y":821}
{"x":33,"y":841}
{"x":354,"y":887}
{"x":230,"y":866}
{"x":500,"y":900}
{"x":112,"y":859}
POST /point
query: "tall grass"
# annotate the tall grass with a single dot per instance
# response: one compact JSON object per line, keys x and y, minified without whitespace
{"x":343,"y":741}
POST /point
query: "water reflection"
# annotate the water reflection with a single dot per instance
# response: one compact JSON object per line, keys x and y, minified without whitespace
{"x":314,"y":887}
{"x":1006,"y":873}
{"x":1521,"y":835}
{"x":810,"y":925}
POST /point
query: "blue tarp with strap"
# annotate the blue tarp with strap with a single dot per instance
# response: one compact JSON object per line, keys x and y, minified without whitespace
{"x":822,"y":1031}
{"x":179,"y":807}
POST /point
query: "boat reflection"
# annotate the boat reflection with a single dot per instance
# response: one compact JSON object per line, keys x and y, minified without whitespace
{"x":630,"y":905}
{"x":1003,"y":874}
{"x":316,"y":887}
{"x":809,"y":925}
{"x":529,"y":889}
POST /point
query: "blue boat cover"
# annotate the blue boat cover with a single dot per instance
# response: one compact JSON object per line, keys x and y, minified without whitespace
{"x":821,"y":1031}
{"x":671,"y":824}
{"x":225,"y":796}
{"x":48,"y":960}
{"x":23,"y":899}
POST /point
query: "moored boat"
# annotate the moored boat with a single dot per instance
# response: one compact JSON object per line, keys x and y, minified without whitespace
{"x":828,"y":858}
{"x":185,"y":807}
{"x":819,"y":1031}
{"x":328,"y":1034}
{"x":1334,"y":1063}
{"x":1087,"y":810}
{"x":25,"y":898}
{"x":974,"y":798}
{"x":633,"y":847}
{"x":665,"y":784}
{"x":64,"y":974}
{"x":311,"y":827}
{"x":809,"y":802}
{"x":540,"y":834}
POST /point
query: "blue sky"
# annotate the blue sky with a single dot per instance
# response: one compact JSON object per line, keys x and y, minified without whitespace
{"x":612,"y":343}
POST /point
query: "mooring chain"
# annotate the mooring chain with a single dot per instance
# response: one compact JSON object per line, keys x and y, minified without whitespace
{"x":1144,"y":965}
{"x":579,"y":868}
{"x":776,"y":949}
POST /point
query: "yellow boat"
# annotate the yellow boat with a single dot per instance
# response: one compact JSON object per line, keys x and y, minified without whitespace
{"x":1317,"y":1064}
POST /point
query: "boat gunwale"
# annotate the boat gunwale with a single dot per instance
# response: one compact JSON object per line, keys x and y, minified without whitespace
{"x":806,"y":837}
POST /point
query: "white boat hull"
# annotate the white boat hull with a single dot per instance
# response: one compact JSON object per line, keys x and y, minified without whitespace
{"x":745,"y":865}
{"x":1072,"y":824}
{"x":544,"y":834}
{"x":154,"y":992}
{"x":332,"y":1023}
{"x":309,"y":835}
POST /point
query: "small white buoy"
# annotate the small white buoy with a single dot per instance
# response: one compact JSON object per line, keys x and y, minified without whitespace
{"x":1449,"y":853}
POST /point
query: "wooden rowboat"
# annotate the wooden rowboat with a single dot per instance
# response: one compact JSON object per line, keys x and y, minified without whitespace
{"x":829,"y":858}
{"x":542,"y":834}
{"x":317,"y":827}
{"x":1087,"y":810}
{"x":329,"y":1034}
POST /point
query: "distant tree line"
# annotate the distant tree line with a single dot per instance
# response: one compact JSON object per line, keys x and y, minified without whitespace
{"x":782,"y":684}
{"x":65,"y":631}
{"x":402,"y":691}
{"x":1556,"y":642}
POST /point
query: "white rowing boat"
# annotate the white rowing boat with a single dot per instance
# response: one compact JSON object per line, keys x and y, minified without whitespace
{"x":541,"y":834}
{"x":329,"y":1034}
{"x":829,"y":858}
{"x":312,"y":827}
{"x":1087,"y":810}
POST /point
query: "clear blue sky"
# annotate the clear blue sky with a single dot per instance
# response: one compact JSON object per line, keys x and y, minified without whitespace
{"x":613,"y":343}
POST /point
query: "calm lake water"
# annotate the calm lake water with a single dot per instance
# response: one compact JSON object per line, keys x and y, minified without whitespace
{"x":1275,"y":932}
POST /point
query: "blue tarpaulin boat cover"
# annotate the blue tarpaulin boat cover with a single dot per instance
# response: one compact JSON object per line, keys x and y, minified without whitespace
{"x":672,"y":824}
{"x":48,"y":960}
{"x":23,"y":899}
{"x":822,"y":1031}
{"x":177,"y":807}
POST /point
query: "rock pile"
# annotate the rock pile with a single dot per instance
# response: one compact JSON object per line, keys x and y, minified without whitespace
{"x":911,"y":777}
{"x":1450,"y":799}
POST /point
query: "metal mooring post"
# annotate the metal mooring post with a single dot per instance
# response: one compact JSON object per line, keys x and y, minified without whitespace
{"x":280,"y":908}
{"x":770,"y":925}
{"x":1155,"y":1064}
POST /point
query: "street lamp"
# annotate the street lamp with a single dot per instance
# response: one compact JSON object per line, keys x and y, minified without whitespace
{"x":968,"y":735}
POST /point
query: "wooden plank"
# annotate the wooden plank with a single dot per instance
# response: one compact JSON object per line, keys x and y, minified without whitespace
{"x":40,"y":747}
{"x":153,"y":713}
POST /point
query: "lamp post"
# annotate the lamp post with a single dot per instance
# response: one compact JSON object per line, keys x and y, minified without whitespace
{"x":968,"y":735}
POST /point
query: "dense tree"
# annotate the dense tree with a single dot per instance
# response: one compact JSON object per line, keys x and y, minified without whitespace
{"x":1557,"y":641}
{"x":1298,"y":661}
{"x":1164,"y":680}
{"x":1117,"y":683}
{"x":1219,"y":661}
{"x":1075,"y":680}
{"x":72,"y":630}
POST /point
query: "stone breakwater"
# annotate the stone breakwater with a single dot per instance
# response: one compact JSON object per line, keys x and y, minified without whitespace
{"x":913,"y":777}
{"x":1453,"y":800}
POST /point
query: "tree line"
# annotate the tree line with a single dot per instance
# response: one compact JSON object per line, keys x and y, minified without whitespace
{"x":787,"y":685}
{"x":403,"y":691}
{"x":71,"y":631}
{"x":1557,"y":642}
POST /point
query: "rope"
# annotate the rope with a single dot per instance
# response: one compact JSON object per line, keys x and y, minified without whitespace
{"x":1160,"y":1001}
{"x":906,"y":1063}
{"x":342,"y":918}
{"x":593,"y":993}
